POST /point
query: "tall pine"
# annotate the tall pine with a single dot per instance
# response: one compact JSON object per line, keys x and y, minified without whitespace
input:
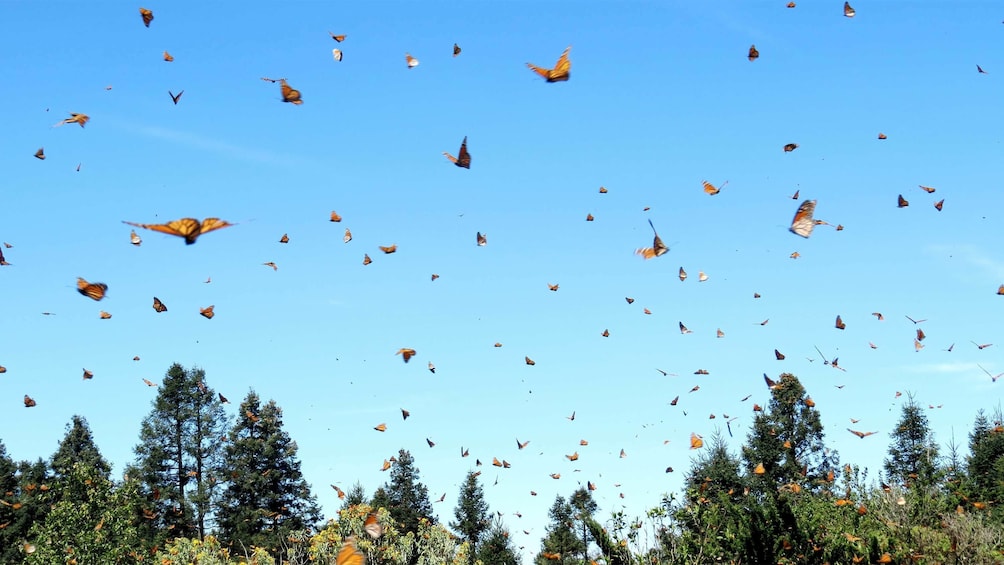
{"x":267,"y":497}
{"x":180,"y":454}
{"x":471,"y":513}
{"x":913,"y":453}
{"x":404,"y":496}
{"x":561,"y":545}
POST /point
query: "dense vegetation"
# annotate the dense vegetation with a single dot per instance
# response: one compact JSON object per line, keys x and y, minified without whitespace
{"x":207,"y":490}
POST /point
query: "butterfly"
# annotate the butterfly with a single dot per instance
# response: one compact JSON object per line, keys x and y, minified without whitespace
{"x":522,"y":444}
{"x":168,"y":57}
{"x":482,"y":239}
{"x":223,"y":399}
{"x":147,"y":16}
{"x":992,"y":377}
{"x":920,"y":334}
{"x":840,"y":323}
{"x":791,"y":5}
{"x":94,"y":291}
{"x":88,"y":375}
{"x":696,"y":441}
{"x":284,"y":239}
{"x":552,"y":287}
{"x":336,"y":54}
{"x":561,"y":70}
{"x":432,"y":368}
{"x":658,"y":247}
{"x":882,"y":136}
{"x":753,"y":54}
{"x":802,"y":223}
{"x":848,"y":11}
{"x":684,"y":330}
{"x":174,"y":97}
{"x":572,"y":417}
{"x":606,"y":333}
{"x":430,"y":442}
{"x":404,"y":414}
{"x":778,"y":355}
{"x":701,"y":277}
{"x":981,"y":346}
{"x":555,"y":476}
{"x":105,"y":315}
{"x":337,"y":38}
{"x":349,"y":555}
{"x":456,"y":49}
{"x":388,"y":250}
{"x":380,"y":427}
{"x":207,"y":312}
{"x":271,"y":264}
{"x":188,"y":228}
{"x":682,"y":275}
{"x":939,"y":204}
{"x":530,"y":361}
{"x":711,"y":189}
{"x":406,"y":353}
{"x":463,"y":159}
{"x":289,"y":94}
{"x":573,"y":457}
{"x":412,"y":62}
{"x":980,"y":70}
{"x":40,"y":154}
{"x":75,"y":119}
{"x":631,"y":300}
{"x":29,"y":402}
{"x":1000,"y":290}
{"x":335,"y":217}
{"x":902,"y":202}
{"x":135,"y":239}
{"x":150,"y":383}
{"x":861,"y":435}
{"x":603,"y":190}
{"x":789,"y":147}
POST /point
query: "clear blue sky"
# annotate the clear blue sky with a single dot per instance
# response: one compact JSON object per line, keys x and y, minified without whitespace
{"x":661,"y":97}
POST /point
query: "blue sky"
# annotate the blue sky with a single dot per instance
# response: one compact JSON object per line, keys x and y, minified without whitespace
{"x":661,"y":97}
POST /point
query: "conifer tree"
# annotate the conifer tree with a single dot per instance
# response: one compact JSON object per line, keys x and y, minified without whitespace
{"x":77,"y":446}
{"x":497,"y":547}
{"x":913,"y":453}
{"x":266,"y":497}
{"x":406,"y":498}
{"x":9,"y":537}
{"x":356,"y":495}
{"x":471,"y":513}
{"x":561,"y":545}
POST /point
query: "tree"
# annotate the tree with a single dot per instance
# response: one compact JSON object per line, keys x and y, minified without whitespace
{"x":560,"y":545}
{"x":10,"y":550}
{"x":355,"y":496}
{"x":471,"y":513}
{"x":180,"y":454}
{"x":497,"y":547}
{"x":913,"y":453}
{"x":582,"y":501}
{"x":407,"y":499}
{"x":266,"y":497}
{"x":78,"y":446}
{"x":985,"y":465}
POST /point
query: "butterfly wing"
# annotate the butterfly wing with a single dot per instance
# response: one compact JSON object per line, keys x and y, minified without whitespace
{"x":290,"y":94}
{"x":802,"y":223}
{"x":349,"y":555}
{"x":212,"y":224}
{"x":464,"y":158}
{"x":562,"y":70}
{"x":372,"y":527}
{"x":158,"y":305}
{"x":710,"y":188}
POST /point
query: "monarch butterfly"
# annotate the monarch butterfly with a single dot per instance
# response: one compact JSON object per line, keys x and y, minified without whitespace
{"x":223,"y":399}
{"x":552,"y":287}
{"x":349,"y":555}
{"x":405,"y":414}
{"x":711,"y":189}
{"x":284,"y":238}
{"x":882,"y":136}
{"x":574,"y":457}
{"x":380,"y":427}
{"x":168,"y":57}
{"x":980,"y":70}
{"x":158,"y":305}
{"x":406,"y":353}
{"x":778,"y":355}
{"x":135,"y":239}
{"x":556,"y":476}
{"x":149,"y":383}
{"x":482,"y":239}
{"x":289,"y":94}
{"x":348,"y":236}
{"x":606,"y":333}
{"x":388,"y":250}
{"x":88,"y":375}
{"x":94,"y":291}
{"x":175,"y":98}
{"x":337,"y":38}
{"x":789,"y":147}
{"x":589,"y":217}
{"x":840,"y":325}
{"x":920,"y":334}
{"x":75,"y":119}
{"x":684,"y":330}
{"x":658,"y":247}
{"x":40,"y":154}
{"x":530,"y":361}
{"x":271,"y":264}
{"x":104,"y":315}
{"x":434,"y":276}
{"x":623,"y":454}
{"x":795,"y":255}
{"x":29,"y":402}
{"x":795,"y":196}
{"x":629,"y":299}
{"x":902,"y":202}
{"x":682,"y":275}
{"x":701,"y":276}
{"x":366,"y":258}
{"x":861,"y":435}
{"x":3,"y":369}
{"x":188,"y":228}
{"x":802,"y":223}
{"x":207,"y":312}
{"x":753,"y":54}
{"x":719,"y":333}
{"x":372,"y":527}
{"x":927,"y":189}
{"x":147,"y":16}
{"x":336,"y":54}
{"x":696,"y":441}
{"x":498,"y":344}
{"x":561,"y":70}
{"x":335,"y":217}
{"x":463,"y":159}
{"x":412,"y":62}
{"x":759,"y":470}
{"x":848,"y":11}
{"x":603,"y":190}
{"x":791,"y":4}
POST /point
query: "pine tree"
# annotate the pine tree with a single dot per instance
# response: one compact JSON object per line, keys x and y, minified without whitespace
{"x":582,"y":502}
{"x":985,"y":465}
{"x":10,"y":550}
{"x":497,"y":547}
{"x":561,"y":545}
{"x":77,"y":446}
{"x":180,"y":454}
{"x":913,"y":453}
{"x":471,"y":513}
{"x":355,"y":496}
{"x":267,"y":497}
{"x":407,"y":499}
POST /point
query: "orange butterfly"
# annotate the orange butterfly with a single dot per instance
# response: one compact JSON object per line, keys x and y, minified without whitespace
{"x":174,"y":97}
{"x":753,"y":54}
{"x":456,"y":49}
{"x":482,"y":239}
{"x":158,"y":305}
{"x":778,"y":355}
{"x":658,"y":247}
{"x":573,"y":457}
{"x":882,"y":136}
{"x":802,"y":223}
{"x":95,"y":291}
{"x":631,"y":300}
{"x":188,"y":228}
{"x":522,"y":444}
{"x":388,"y":250}
{"x":148,"y":382}
{"x":380,"y":427}
{"x":902,"y":202}
{"x":603,"y":190}
{"x":606,"y":333}
{"x":40,"y":154}
{"x":711,"y":189}
{"x":589,"y":217}
{"x":840,"y":325}
{"x":372,"y":527}
{"x":207,"y":312}
{"x":147,"y":16}
{"x":88,"y":375}
{"x":789,"y":147}
{"x":696,"y":441}
{"x":560,"y":72}
{"x":430,"y":442}
{"x":405,"y":414}
{"x":552,"y":287}
{"x":848,"y":11}
{"x":463,"y":160}
{"x":406,"y":353}
{"x":861,"y":435}
{"x":682,"y":275}
{"x":939,"y":204}
{"x":337,"y":38}
{"x":412,"y":62}
{"x":105,"y":315}
{"x":75,"y":119}
{"x":366,"y":259}
{"x":168,"y":57}
{"x":29,"y":402}
{"x":349,"y":555}
{"x":530,"y":361}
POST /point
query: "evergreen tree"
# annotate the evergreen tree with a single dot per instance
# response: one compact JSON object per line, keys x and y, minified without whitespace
{"x":355,"y":496}
{"x":10,"y":550}
{"x":180,"y":454}
{"x":561,"y":545}
{"x":497,"y":547}
{"x":267,"y":497}
{"x":985,"y":466}
{"x":913,"y":453}
{"x":471,"y":513}
{"x":407,"y":499}
{"x":78,"y":446}
{"x":34,"y":488}
{"x":582,"y":502}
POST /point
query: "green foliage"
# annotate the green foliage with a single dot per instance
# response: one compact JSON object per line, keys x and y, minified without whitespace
{"x":78,"y":446}
{"x":496,"y":547}
{"x":10,"y":538}
{"x":404,"y":496}
{"x":985,"y":467}
{"x":266,"y":497}
{"x":355,"y":496}
{"x":561,"y":542}
{"x":913,"y":453}
{"x":471,"y":512}
{"x":180,"y":454}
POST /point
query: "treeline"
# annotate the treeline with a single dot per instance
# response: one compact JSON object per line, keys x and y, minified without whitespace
{"x":210,"y":490}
